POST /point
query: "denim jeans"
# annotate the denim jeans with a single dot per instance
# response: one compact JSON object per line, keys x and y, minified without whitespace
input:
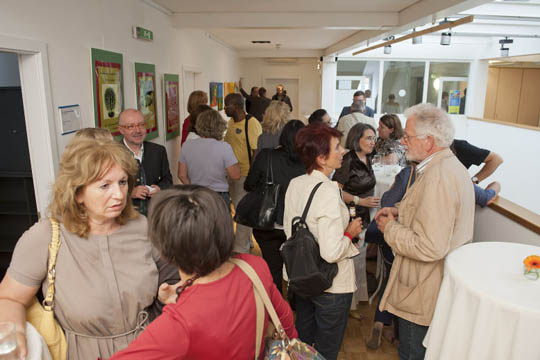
{"x":322,"y":320}
{"x":411,"y":336}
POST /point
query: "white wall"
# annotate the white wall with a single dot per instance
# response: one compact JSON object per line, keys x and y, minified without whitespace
{"x":489,"y":225}
{"x":70,"y":28}
{"x":254,"y":70}
{"x":9,"y":70}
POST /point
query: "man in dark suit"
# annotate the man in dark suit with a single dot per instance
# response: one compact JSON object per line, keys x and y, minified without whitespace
{"x":154,"y":173}
{"x":358,"y":95}
{"x":259,"y":103}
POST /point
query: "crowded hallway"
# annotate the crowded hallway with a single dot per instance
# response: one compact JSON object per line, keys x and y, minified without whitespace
{"x":204,"y":180}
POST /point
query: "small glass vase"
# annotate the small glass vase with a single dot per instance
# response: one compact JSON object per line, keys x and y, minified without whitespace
{"x":532,"y":274}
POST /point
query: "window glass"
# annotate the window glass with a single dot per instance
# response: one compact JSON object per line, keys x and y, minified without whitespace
{"x":447,"y":85}
{"x":353,"y":76}
{"x":403,"y":83}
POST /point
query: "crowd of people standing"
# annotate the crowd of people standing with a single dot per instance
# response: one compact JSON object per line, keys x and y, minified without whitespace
{"x":142,"y":262}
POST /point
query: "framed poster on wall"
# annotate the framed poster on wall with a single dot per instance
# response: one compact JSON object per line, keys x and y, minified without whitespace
{"x":230,"y":87}
{"x":108,"y":89}
{"x":216,"y":95}
{"x":172,"y":112}
{"x":145,"y":83}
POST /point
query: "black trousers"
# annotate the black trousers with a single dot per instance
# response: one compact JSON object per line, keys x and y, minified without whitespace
{"x":270,"y":241}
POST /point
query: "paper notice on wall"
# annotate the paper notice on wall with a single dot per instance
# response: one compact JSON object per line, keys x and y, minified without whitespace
{"x":70,"y":116}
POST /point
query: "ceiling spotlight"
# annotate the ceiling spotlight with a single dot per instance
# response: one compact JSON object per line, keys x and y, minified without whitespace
{"x":445,"y":38}
{"x":505,"y":50}
{"x":416,"y":40}
{"x":387,"y":49}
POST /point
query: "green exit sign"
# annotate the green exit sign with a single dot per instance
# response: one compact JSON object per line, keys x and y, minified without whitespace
{"x":142,"y":33}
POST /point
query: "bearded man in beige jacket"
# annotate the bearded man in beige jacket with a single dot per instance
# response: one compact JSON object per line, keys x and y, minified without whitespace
{"x":434,"y":217}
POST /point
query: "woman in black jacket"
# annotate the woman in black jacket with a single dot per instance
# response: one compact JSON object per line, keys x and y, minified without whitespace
{"x":286,"y":165}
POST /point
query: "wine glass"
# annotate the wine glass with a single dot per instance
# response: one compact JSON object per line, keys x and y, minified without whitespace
{"x":8,"y":341}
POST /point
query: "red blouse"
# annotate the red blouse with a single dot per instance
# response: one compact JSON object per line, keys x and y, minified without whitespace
{"x":185,"y":130}
{"x":216,"y":320}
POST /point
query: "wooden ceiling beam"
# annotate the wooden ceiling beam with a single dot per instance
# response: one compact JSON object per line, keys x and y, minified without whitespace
{"x":442,"y":26}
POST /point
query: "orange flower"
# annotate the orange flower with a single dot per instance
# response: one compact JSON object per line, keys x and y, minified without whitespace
{"x":532,"y":262}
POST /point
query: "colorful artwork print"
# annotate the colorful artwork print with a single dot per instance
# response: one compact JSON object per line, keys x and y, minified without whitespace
{"x":230,"y":87}
{"x":216,"y":95}
{"x":107,"y":82}
{"x":453,"y":105}
{"x":145,"y":77}
{"x":171,"y":85}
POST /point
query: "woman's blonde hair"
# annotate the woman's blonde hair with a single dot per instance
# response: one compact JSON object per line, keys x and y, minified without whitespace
{"x":84,"y":162}
{"x":93,"y":134}
{"x":195,"y":99}
{"x":275,"y":117}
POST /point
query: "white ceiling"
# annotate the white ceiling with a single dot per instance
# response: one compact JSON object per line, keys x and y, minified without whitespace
{"x":328,"y":27}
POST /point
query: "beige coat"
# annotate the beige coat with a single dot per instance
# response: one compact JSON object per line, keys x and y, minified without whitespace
{"x":436,"y":216}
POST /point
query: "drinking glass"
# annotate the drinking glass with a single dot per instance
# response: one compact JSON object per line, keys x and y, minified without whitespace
{"x":377,"y":162}
{"x":8,"y":342}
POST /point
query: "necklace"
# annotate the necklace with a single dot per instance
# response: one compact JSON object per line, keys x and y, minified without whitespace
{"x":185,"y":285}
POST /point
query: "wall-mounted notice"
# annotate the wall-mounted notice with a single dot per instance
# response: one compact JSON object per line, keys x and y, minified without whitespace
{"x":70,"y":116}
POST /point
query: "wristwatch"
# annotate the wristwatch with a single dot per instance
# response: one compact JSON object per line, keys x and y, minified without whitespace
{"x":475,"y":180}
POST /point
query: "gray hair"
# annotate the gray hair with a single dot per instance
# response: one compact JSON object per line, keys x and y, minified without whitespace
{"x":432,"y":121}
{"x":357,"y":105}
{"x":210,"y":124}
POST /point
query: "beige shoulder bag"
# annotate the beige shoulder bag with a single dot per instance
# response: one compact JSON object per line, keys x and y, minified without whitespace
{"x":42,"y":317}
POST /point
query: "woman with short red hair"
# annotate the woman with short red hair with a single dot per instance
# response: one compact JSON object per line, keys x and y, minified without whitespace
{"x":321,"y":320}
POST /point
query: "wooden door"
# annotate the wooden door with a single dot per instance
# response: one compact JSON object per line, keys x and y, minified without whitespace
{"x":508,"y":94}
{"x":529,"y":105}
{"x":491,"y":92}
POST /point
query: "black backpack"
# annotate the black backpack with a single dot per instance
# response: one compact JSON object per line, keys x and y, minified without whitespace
{"x":309,"y":275}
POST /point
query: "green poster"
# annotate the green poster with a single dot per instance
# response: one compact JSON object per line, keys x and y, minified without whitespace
{"x":145,"y":83}
{"x":108,"y":89}
{"x":171,"y":90}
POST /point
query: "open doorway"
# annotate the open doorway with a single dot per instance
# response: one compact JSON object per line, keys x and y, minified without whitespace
{"x":31,"y":134}
{"x":290,"y":85}
{"x":18,"y":208}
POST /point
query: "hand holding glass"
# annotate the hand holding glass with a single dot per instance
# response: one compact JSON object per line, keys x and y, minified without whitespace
{"x":8,"y":342}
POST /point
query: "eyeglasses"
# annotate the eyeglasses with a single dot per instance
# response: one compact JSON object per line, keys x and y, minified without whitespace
{"x":407,"y":137}
{"x":133,"y":126}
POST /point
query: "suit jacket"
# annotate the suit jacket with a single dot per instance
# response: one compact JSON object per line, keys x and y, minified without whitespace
{"x":156,"y":170}
{"x":347,"y":110}
{"x":283,"y":98}
{"x":258,"y":105}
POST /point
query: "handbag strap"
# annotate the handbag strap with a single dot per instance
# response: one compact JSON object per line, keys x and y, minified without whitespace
{"x":306,"y":209}
{"x":269,"y":169}
{"x":247,"y":139}
{"x":54,"y":246}
{"x":261,"y":296}
{"x":413,"y":171}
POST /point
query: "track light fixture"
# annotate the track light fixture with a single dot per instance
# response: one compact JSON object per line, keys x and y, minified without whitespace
{"x":387,"y":49}
{"x":504,"y":50}
{"x":446,"y":36}
{"x":417,"y":39}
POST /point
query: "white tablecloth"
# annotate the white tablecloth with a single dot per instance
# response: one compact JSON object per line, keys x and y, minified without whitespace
{"x":35,"y":345}
{"x":384,"y":180}
{"x":486,"y":308}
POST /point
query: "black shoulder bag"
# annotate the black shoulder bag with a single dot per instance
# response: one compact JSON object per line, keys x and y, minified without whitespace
{"x":257,"y":209}
{"x":309,"y":274}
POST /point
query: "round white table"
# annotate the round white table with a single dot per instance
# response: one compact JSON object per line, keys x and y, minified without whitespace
{"x":486,"y":308}
{"x":385,"y":179}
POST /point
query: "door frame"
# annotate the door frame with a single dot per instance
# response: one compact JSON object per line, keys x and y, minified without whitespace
{"x":38,"y":113}
{"x":442,"y":79}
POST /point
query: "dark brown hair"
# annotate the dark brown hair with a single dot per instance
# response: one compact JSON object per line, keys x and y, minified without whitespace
{"x":392,"y":121}
{"x":313,"y":141}
{"x":191,"y":227}
{"x":194,"y":116}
